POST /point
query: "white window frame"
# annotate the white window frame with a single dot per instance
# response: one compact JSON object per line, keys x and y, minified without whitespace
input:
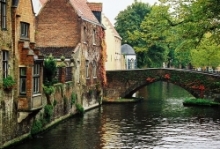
{"x":5,"y":58}
{"x":36,"y":78}
{"x":24,"y":29}
{"x":23,"y":80}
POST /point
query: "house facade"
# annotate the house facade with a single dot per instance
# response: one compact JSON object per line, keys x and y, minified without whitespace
{"x":6,"y":69}
{"x":78,"y":46}
{"x":115,"y":60}
{"x":22,"y":62}
{"x":70,"y":30}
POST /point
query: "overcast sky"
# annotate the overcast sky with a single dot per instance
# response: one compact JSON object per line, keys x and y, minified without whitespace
{"x":111,"y":8}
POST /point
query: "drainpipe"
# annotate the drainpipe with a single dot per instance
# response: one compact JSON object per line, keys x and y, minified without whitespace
{"x":13,"y":29}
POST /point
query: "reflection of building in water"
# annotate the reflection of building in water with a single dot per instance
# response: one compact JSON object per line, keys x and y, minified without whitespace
{"x":130,"y":56}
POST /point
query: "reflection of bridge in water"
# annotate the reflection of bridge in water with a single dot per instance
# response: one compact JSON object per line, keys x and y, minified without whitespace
{"x":124,"y":83}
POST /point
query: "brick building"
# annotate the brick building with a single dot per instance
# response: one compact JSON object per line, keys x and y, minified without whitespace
{"x":22,"y":61}
{"x":71,"y":30}
{"x":29,"y":63}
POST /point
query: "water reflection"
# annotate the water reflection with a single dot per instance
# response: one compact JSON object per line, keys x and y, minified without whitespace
{"x":158,"y":122}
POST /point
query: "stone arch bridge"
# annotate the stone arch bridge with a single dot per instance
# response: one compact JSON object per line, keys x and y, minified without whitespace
{"x":124,"y":83}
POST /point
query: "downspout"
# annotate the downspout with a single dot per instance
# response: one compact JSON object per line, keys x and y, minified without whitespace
{"x":13,"y":29}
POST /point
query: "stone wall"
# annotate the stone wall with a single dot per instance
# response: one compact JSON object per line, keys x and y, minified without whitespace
{"x":19,"y":125}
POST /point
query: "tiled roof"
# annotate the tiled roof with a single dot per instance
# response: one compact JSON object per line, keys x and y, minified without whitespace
{"x":43,"y":2}
{"x":95,"y":6}
{"x":83,"y":10}
{"x":57,"y":52}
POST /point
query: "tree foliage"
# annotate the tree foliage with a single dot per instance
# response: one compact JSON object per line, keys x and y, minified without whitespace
{"x":180,"y":27}
{"x":128,"y":25}
{"x":130,"y":19}
{"x":50,"y":71}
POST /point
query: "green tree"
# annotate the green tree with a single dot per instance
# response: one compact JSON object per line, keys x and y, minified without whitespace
{"x":130,"y":19}
{"x":206,"y":54}
{"x":128,"y":25}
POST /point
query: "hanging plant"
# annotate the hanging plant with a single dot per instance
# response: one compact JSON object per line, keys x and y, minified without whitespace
{"x":8,"y":83}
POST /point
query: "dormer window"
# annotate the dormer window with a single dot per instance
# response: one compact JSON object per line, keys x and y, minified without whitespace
{"x":3,"y":12}
{"x":24,"y":30}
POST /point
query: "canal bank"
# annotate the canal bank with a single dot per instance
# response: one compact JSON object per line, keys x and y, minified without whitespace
{"x":159,"y":121}
{"x":51,"y":125}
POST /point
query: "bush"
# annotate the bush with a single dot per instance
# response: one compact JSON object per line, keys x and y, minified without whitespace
{"x":80,"y":109}
{"x":48,"y":112}
{"x":200,"y":102}
{"x":73,"y":98}
{"x":36,"y":126}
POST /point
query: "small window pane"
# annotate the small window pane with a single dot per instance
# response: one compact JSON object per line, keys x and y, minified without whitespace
{"x":5,"y":56}
{"x":24,"y":30}
{"x":23,"y":80}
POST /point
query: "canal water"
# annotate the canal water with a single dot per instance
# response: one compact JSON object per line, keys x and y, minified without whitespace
{"x":160,"y":121}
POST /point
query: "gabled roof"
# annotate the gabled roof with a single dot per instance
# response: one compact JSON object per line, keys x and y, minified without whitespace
{"x":81,"y":8}
{"x":84,"y":11}
{"x":57,"y":52}
{"x":111,"y":27}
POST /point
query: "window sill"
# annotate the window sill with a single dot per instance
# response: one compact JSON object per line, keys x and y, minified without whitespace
{"x":4,"y":29}
{"x":36,"y":94}
{"x":25,"y":38}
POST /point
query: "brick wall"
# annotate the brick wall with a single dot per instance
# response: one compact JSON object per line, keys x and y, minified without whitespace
{"x":57,"y":25}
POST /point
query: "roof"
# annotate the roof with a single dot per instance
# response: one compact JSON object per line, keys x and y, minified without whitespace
{"x":127,"y":50}
{"x":84,"y":11}
{"x":57,"y":52}
{"x":43,"y":2}
{"x":111,"y":27}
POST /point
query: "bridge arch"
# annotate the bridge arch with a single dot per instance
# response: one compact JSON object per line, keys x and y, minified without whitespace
{"x":123,"y":83}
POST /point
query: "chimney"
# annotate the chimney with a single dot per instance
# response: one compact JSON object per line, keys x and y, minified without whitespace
{"x":96,"y":9}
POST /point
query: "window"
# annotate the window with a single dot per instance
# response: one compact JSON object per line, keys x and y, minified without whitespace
{"x":94,"y":70}
{"x":23,"y":71}
{"x":24,"y":30}
{"x":36,"y":78}
{"x":5,"y":63}
{"x":93,"y":36}
{"x":68,"y":74}
{"x":87,"y":69}
{"x":3,"y":13}
{"x":84,"y":34}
